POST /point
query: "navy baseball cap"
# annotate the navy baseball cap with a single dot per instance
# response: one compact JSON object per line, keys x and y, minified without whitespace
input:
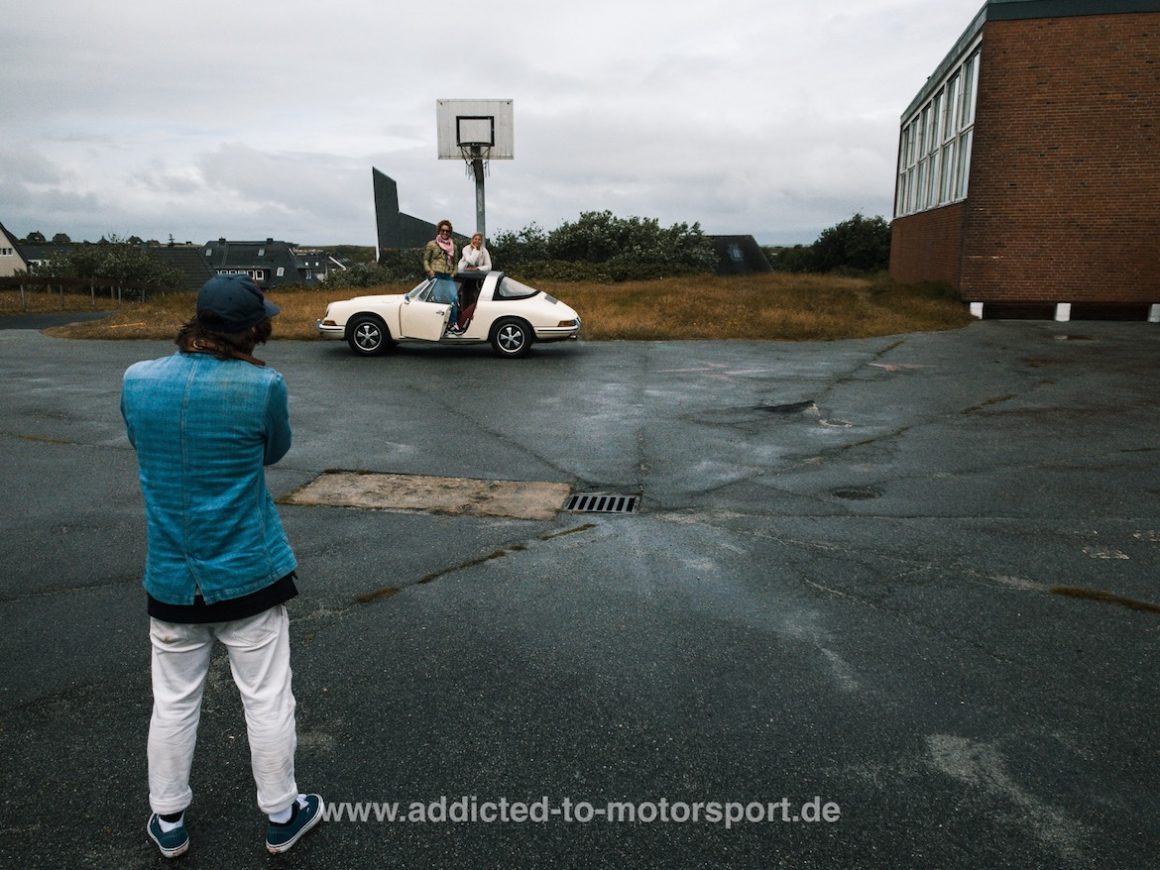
{"x":235,"y":303}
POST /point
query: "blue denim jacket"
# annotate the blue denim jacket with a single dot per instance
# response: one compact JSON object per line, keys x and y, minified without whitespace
{"x":204,"y":429}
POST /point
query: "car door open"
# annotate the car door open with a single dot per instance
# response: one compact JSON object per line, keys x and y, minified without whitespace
{"x":421,"y":318}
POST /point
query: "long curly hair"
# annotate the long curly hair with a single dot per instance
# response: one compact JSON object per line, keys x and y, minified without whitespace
{"x":200,"y":335}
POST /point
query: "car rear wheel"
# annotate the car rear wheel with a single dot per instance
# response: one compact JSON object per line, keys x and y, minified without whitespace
{"x":367,"y":335}
{"x":511,"y":338}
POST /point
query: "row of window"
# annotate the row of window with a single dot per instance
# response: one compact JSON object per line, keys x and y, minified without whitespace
{"x":6,"y":252}
{"x":256,"y":274}
{"x":934,"y":154}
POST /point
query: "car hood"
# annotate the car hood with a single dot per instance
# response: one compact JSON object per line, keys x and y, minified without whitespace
{"x":371,"y":300}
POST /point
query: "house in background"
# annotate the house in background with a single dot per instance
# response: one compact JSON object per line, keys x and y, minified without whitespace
{"x":269,"y":263}
{"x":12,"y":261}
{"x":1029,"y":163}
{"x":739,"y":255}
{"x":315,"y":265}
{"x":43,"y":253}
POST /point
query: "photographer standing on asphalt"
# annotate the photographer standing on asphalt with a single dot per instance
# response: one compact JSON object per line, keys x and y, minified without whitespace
{"x":205,"y":422}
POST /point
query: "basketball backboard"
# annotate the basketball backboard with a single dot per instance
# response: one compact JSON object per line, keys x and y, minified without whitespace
{"x":463,"y":126}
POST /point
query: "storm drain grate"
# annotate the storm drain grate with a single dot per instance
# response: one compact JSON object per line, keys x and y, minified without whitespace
{"x":602,"y":503}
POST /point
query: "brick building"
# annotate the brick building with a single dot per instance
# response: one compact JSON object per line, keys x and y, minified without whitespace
{"x":1029,"y":163}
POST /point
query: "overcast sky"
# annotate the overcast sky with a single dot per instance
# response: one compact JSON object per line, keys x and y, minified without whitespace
{"x":253,"y":118}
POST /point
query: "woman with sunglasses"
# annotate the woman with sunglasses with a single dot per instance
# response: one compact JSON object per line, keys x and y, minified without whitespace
{"x":439,"y":263}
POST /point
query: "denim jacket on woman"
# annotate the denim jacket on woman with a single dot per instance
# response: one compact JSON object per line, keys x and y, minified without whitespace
{"x":204,"y":428}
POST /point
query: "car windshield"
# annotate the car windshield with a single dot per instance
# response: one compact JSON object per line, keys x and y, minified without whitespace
{"x":418,"y":292}
{"x":511,"y":289}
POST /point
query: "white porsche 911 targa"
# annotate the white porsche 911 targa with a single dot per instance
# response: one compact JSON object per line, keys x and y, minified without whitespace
{"x":492,"y":308}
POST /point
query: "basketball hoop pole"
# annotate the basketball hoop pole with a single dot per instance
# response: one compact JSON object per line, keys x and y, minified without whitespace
{"x":477,"y":171}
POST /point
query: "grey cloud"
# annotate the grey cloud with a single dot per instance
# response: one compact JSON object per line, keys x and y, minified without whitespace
{"x":25,"y":167}
{"x":746,"y":117}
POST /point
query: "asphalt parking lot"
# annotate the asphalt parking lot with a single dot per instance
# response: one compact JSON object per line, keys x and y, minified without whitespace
{"x":908,"y":581}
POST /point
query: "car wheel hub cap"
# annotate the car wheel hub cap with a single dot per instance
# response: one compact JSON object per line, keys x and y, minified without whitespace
{"x":511,"y":338}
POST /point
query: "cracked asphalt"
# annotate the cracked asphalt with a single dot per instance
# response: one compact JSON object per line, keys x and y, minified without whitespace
{"x":914,"y":577}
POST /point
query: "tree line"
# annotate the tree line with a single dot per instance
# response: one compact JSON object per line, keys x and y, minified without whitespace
{"x":598,"y":246}
{"x":601,"y":247}
{"x":111,"y":262}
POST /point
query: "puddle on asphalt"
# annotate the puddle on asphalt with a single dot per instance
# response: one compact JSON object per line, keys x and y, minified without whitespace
{"x":857,"y":493}
{"x":790,"y":408}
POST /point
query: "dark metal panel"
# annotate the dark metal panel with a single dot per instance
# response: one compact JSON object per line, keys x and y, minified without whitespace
{"x":1015,"y":10}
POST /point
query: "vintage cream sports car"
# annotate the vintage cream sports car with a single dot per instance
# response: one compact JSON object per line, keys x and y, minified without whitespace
{"x":508,"y":314}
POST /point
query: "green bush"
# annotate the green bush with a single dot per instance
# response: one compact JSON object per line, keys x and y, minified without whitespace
{"x":600,"y":247}
{"x":393,"y":266}
{"x":512,"y":250}
{"x":561,"y":270}
{"x":357,"y":277}
{"x":856,"y":246}
{"x":797,"y":259}
{"x":860,"y":243}
{"x":402,"y":264}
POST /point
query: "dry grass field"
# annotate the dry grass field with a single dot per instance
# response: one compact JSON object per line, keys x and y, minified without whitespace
{"x":770,"y":306}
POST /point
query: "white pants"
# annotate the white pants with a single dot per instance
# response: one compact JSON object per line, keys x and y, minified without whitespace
{"x":259,"y":650}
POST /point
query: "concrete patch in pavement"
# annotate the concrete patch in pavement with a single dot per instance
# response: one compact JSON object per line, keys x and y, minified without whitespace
{"x":515,"y":499}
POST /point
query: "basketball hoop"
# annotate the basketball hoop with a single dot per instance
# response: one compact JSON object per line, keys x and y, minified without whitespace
{"x":476,"y":132}
{"x":472,"y":152}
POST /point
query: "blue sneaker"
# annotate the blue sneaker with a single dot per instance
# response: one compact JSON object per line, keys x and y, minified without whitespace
{"x":171,"y":844}
{"x":280,"y":838}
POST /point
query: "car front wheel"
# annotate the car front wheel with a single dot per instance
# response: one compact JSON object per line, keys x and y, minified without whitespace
{"x":511,"y":338}
{"x":367,"y":336}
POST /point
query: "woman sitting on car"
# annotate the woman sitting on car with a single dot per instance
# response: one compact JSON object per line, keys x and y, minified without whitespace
{"x":475,"y":256}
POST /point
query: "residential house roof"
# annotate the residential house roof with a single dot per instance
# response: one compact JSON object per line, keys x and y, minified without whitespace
{"x":186,"y":259}
{"x":739,"y":255}
{"x":37,"y":252}
{"x":18,"y":262}
{"x":269,"y":263}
